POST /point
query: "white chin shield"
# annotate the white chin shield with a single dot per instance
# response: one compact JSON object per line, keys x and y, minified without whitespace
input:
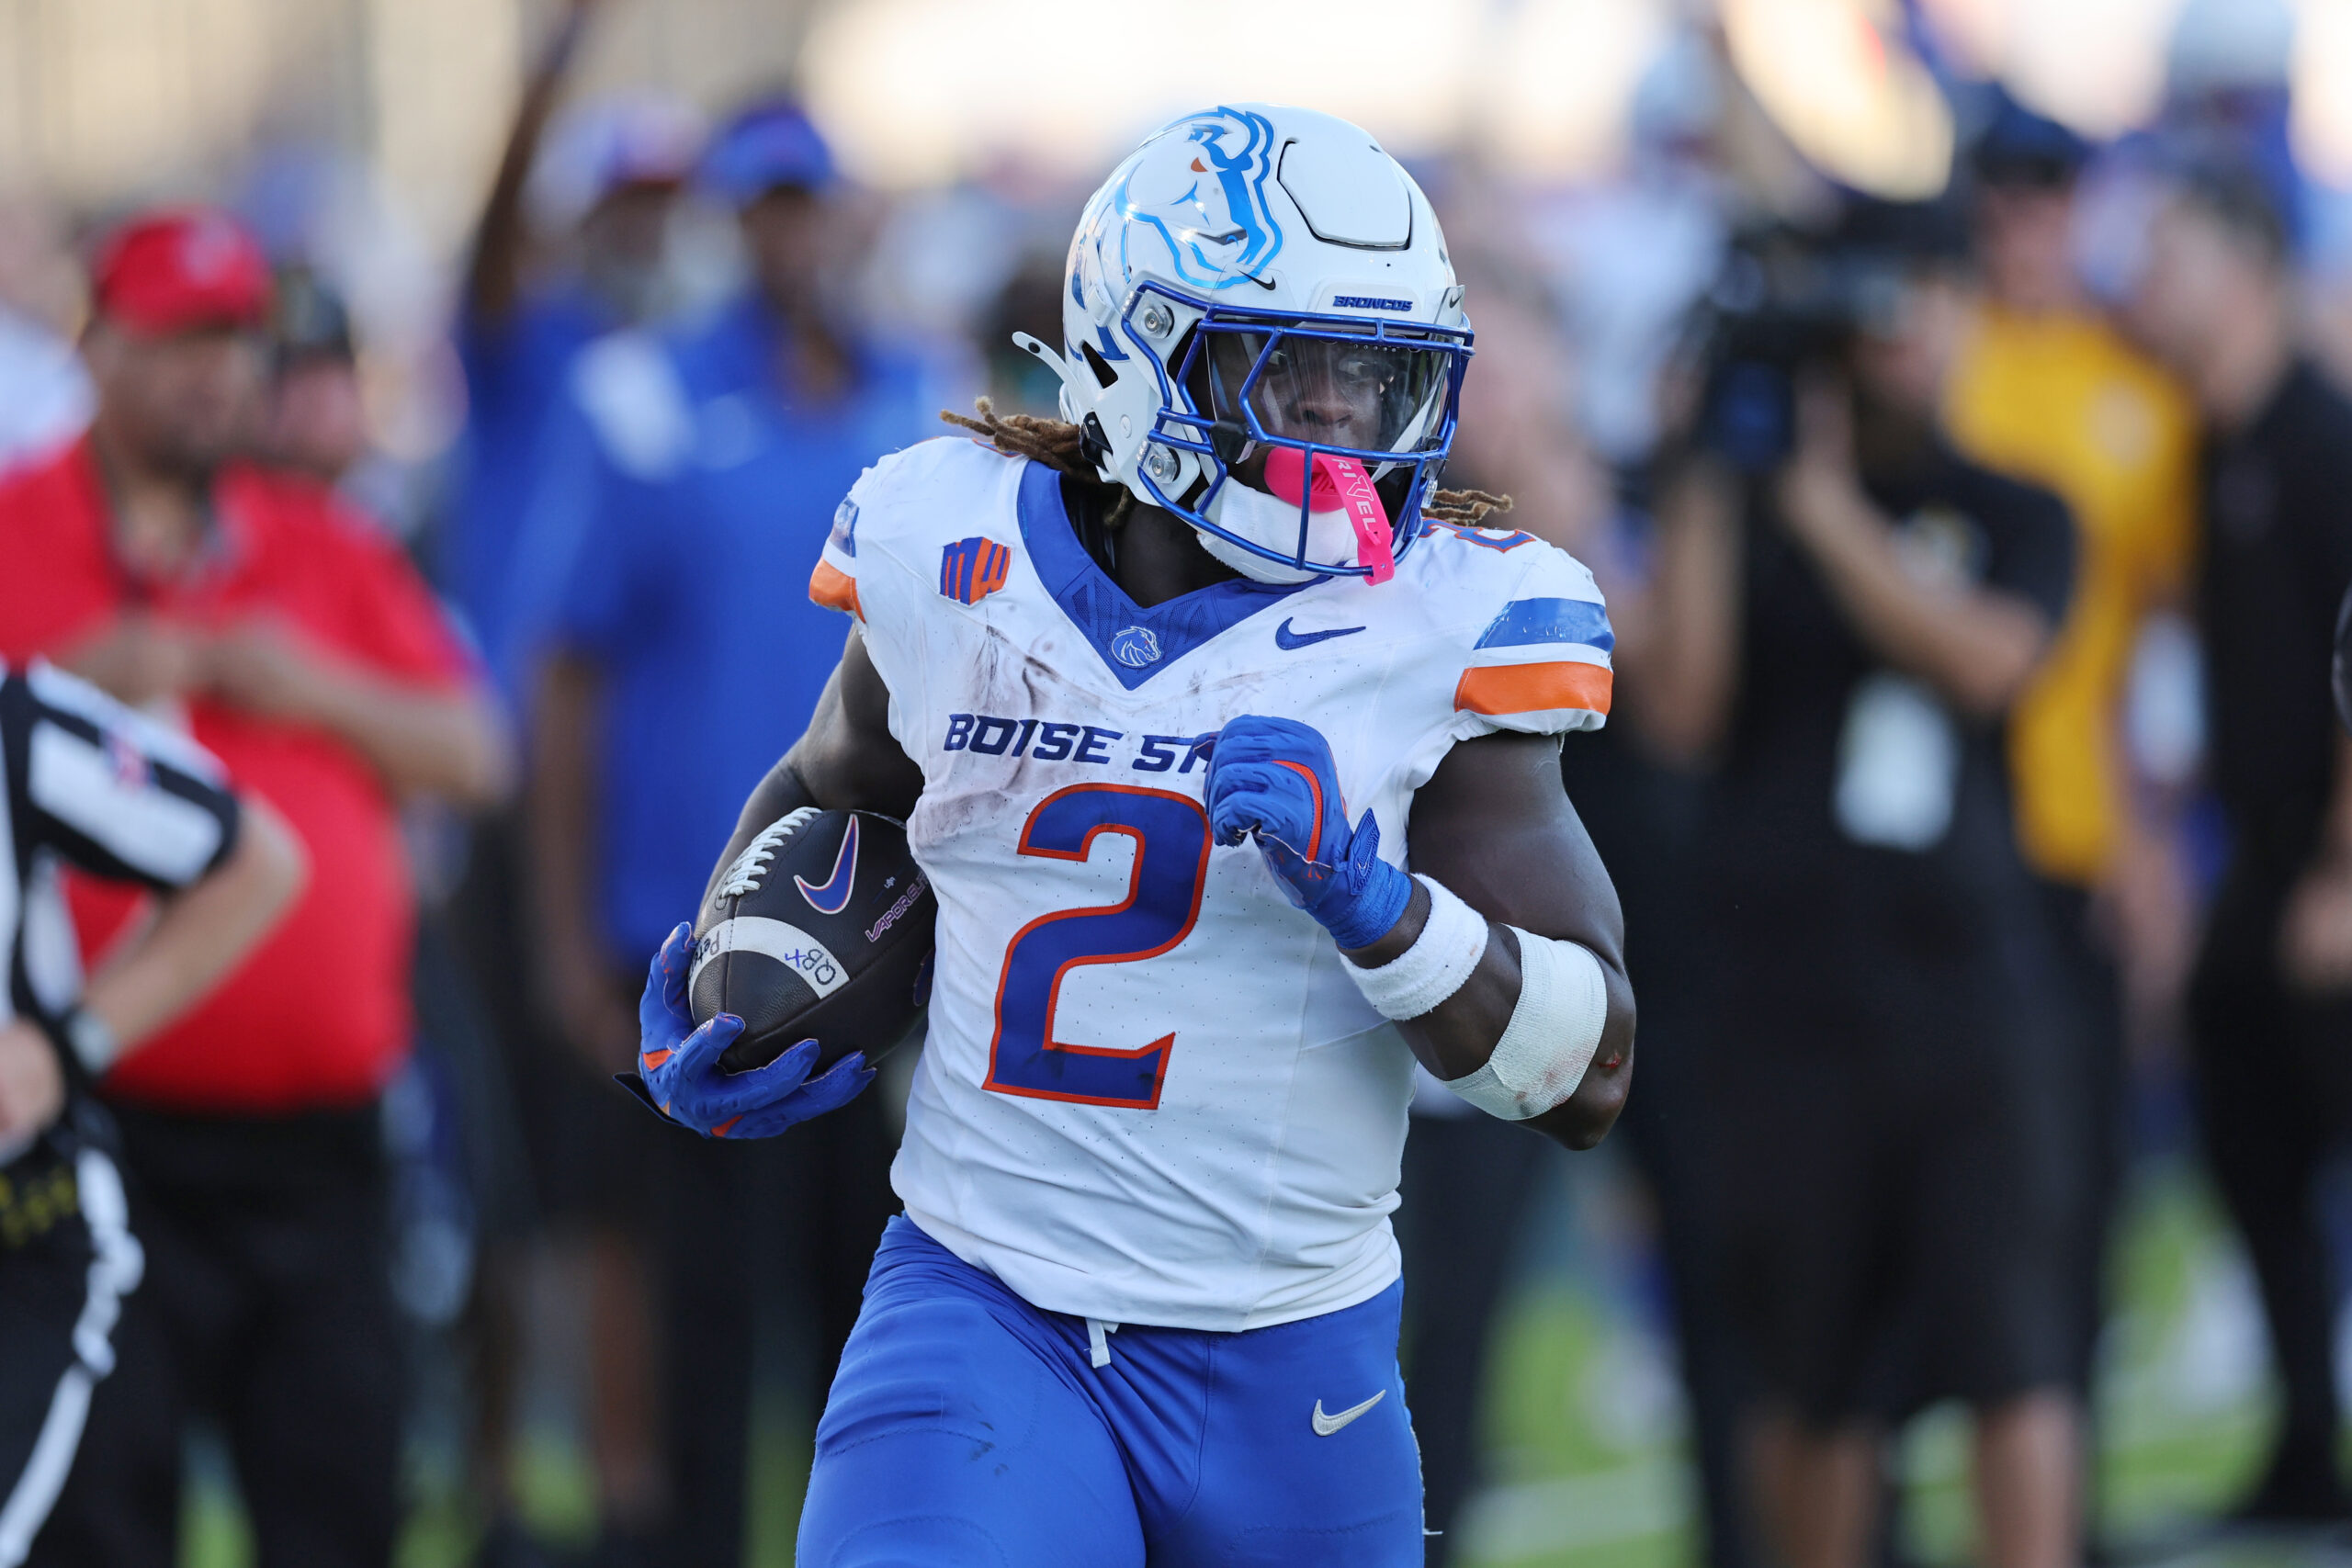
{"x":1347,"y":523}
{"x":1272,"y":524}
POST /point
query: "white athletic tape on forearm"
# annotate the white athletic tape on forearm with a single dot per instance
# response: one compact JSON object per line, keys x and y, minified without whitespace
{"x":1542,"y":1057}
{"x":1440,"y":961}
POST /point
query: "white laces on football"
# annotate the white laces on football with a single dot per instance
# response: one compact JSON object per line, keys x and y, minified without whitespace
{"x":751,"y":867}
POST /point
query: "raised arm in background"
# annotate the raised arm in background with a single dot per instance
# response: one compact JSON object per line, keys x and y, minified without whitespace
{"x":494,"y":270}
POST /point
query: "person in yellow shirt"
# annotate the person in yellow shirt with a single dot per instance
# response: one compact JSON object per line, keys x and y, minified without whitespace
{"x":2047,"y":389}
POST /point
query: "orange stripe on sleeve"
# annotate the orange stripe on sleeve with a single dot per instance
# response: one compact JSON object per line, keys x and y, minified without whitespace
{"x":834,"y":589}
{"x":1532,"y":688}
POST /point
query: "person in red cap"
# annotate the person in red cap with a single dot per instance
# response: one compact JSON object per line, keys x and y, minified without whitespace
{"x":286,"y":634}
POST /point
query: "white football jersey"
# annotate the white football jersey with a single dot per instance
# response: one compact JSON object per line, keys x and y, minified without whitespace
{"x":1149,"y":1092}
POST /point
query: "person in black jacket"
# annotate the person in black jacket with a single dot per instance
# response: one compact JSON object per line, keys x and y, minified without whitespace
{"x":1840,"y":628}
{"x":2270,"y":1001}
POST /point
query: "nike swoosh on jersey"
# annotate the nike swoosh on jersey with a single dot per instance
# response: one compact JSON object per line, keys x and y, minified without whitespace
{"x":833,"y":897}
{"x":1291,"y":641}
{"x":1327,"y":1425}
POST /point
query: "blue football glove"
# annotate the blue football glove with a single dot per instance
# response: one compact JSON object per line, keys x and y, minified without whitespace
{"x":679,"y":1076}
{"x":1274,"y":778}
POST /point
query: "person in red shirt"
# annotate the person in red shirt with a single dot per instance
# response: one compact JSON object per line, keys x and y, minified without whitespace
{"x":292,"y":639}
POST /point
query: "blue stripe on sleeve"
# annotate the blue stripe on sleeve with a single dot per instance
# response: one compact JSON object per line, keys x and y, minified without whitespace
{"x":1528,"y":621}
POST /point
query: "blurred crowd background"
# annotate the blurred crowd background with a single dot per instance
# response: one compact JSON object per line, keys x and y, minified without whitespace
{"x":594,"y":309}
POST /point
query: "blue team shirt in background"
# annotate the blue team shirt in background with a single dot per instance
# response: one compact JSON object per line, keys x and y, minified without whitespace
{"x":699,"y":498}
{"x":515,"y":373}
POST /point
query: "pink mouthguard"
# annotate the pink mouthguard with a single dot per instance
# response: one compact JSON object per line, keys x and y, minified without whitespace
{"x":1341,"y":484}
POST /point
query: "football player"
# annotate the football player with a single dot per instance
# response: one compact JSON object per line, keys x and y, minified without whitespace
{"x":1168,"y":692}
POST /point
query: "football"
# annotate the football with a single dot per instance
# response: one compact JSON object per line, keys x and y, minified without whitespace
{"x":820,"y":929}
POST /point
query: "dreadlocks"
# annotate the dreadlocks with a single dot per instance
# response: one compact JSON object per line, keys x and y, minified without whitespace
{"x":1055,"y":443}
{"x":1467,"y":507}
{"x":1061,"y":447}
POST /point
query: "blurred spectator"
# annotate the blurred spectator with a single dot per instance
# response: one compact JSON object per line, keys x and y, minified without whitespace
{"x":572,"y":244}
{"x":2269,"y":1012}
{"x":1633,"y":254}
{"x":45,"y":394}
{"x":1462,"y":1198}
{"x":1629,"y":258}
{"x":318,"y":420}
{"x":301,"y":649}
{"x":535,"y":294}
{"x":1030,"y":301}
{"x":685,"y":658}
{"x":1518,"y":434}
{"x":459,"y":1184}
{"x":2045,"y":389}
{"x":1846,"y":612}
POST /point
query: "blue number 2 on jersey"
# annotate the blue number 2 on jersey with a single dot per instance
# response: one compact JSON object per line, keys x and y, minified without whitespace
{"x":1171,"y":838}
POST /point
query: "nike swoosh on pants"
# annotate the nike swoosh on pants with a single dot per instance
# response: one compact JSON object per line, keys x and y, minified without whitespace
{"x":1327,"y":1425}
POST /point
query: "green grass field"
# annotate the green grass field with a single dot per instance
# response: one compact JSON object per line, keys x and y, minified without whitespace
{"x":1584,"y":1420}
{"x":2182,"y":1413}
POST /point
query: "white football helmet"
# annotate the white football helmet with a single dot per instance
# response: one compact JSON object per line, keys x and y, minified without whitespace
{"x":1255,"y":296}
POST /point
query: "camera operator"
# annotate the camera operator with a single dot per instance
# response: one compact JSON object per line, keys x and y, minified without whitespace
{"x":1846,"y":611}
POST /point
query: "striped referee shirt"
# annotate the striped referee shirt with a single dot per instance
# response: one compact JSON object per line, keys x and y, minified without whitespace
{"x":92,"y":785}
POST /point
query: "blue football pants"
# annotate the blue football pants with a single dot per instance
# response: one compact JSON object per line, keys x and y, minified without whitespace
{"x":966,"y":1426}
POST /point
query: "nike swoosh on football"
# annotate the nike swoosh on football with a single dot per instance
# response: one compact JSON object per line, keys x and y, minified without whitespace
{"x":1327,"y":1425}
{"x":1291,"y":641}
{"x":833,"y":897}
